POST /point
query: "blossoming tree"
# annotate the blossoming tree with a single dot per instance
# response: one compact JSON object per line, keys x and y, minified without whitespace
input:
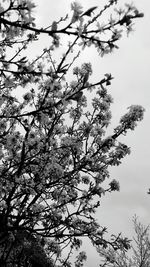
{"x":54,"y":147}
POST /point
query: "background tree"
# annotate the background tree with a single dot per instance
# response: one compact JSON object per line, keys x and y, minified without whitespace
{"x":54,"y":148}
{"x":138,"y":256}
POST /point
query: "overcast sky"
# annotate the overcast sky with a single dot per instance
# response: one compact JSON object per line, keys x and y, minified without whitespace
{"x":130,"y":66}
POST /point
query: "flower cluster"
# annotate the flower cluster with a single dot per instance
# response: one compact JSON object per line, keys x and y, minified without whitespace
{"x":114,"y":185}
{"x":77,"y":11}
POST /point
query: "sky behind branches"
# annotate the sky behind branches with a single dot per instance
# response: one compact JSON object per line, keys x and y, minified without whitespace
{"x":129,"y":65}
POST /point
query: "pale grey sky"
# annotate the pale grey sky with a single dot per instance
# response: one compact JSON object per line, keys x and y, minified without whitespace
{"x":130,"y":66}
